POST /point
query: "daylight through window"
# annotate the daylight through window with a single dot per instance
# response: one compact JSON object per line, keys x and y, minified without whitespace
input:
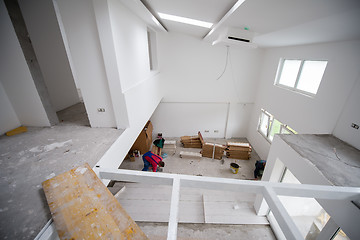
{"x":301,"y":75}
{"x":269,"y":126}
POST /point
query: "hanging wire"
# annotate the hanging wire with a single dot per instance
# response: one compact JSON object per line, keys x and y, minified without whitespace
{"x":227,"y":58}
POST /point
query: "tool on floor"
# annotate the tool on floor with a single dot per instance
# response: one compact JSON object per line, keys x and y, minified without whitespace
{"x":15,"y":131}
{"x":234,"y":168}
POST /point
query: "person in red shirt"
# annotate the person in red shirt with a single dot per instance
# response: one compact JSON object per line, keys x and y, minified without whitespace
{"x":152,"y":159}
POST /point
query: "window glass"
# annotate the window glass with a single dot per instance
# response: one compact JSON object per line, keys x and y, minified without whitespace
{"x":289,"y":72}
{"x":269,"y":126}
{"x":301,"y":75}
{"x":311,"y":75}
{"x":264,"y":121}
{"x":341,"y":236}
{"x":151,"y":37}
{"x":284,"y":130}
{"x":275,"y":128}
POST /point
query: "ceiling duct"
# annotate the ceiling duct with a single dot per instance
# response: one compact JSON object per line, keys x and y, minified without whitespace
{"x":236,"y":37}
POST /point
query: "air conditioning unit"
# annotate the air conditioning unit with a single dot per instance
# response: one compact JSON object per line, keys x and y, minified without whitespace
{"x":237,"y":37}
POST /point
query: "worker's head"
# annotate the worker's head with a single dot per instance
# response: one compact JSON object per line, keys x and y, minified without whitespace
{"x":161,"y":164}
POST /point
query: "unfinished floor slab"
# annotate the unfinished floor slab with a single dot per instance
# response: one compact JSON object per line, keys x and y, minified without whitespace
{"x":30,"y":158}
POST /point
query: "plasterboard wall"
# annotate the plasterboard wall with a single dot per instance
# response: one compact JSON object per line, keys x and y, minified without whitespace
{"x":213,"y":120}
{"x":8,"y":118}
{"x":131,"y":45}
{"x":143,"y":90}
{"x":41,"y":23}
{"x":79,"y":23}
{"x":190,"y":69}
{"x":305,"y":114}
{"x":16,"y":78}
{"x":350,"y":114}
{"x":189,"y":118}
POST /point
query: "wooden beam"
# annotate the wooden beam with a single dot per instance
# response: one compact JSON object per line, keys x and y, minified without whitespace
{"x":224,"y":18}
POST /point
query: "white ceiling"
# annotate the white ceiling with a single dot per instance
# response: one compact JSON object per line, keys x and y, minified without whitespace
{"x":276,"y":22}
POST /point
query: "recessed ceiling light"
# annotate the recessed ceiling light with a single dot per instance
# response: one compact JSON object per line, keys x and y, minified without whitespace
{"x":185,"y":20}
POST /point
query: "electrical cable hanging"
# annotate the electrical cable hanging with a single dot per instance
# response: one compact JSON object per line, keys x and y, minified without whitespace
{"x":227,"y":58}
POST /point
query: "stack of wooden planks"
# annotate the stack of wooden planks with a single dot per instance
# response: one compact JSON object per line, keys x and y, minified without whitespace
{"x":238,"y":150}
{"x":191,"y":141}
{"x":213,"y":150}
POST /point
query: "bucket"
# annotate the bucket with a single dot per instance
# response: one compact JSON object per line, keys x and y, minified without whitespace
{"x":234,"y":168}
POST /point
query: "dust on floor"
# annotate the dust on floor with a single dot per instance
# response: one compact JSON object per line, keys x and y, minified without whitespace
{"x":30,"y":158}
{"x":201,"y":166}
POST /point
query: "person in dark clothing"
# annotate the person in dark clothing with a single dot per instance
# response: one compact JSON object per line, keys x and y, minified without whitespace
{"x":151,"y":159}
{"x":259,"y":168}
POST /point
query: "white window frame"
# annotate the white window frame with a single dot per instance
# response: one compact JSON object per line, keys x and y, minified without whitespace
{"x":294,"y":88}
{"x":152,"y":50}
{"x":287,"y":128}
{"x":270,"y":119}
{"x":270,"y":125}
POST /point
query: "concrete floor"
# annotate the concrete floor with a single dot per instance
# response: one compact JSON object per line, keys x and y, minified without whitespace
{"x":336,"y":160}
{"x":30,"y":158}
{"x":201,"y":166}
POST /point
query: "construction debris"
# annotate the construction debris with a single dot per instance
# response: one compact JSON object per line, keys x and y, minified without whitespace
{"x":238,"y":150}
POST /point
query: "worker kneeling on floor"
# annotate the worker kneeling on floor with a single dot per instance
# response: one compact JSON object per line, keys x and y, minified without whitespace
{"x":151,"y":159}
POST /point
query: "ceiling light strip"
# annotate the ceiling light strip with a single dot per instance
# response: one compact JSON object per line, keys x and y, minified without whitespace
{"x":224,"y":18}
{"x":185,"y":20}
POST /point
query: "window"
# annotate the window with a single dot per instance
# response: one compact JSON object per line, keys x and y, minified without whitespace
{"x":151,"y":36}
{"x":301,"y":75}
{"x":269,"y":126}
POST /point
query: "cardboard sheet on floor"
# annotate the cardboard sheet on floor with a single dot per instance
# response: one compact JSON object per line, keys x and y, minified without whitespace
{"x":83,"y":208}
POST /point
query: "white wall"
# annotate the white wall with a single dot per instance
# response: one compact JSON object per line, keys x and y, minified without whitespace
{"x":305,"y":114}
{"x":190,"y":68}
{"x":350,"y":114}
{"x":131,"y":45}
{"x":16,"y":78}
{"x":41,"y":23}
{"x":85,"y":50}
{"x":8,"y":118}
{"x":143,"y":88}
{"x":179,"y":119}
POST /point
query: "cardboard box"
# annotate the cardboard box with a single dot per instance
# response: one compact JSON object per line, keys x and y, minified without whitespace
{"x":144,"y":140}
